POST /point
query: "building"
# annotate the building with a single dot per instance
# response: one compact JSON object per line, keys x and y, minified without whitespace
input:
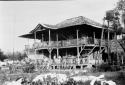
{"x":74,"y":42}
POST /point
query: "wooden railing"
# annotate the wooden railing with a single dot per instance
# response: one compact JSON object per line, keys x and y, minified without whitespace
{"x":66,"y":43}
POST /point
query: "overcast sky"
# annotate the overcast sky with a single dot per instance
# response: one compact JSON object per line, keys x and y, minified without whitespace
{"x":19,"y":17}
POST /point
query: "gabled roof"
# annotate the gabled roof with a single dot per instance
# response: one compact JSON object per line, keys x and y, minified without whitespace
{"x":39,"y":27}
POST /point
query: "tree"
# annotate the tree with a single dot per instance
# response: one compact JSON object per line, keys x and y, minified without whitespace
{"x":2,"y":56}
{"x":16,"y":56}
{"x":113,"y":19}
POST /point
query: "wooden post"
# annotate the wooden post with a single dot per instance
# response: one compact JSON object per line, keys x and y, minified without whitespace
{"x":49,"y":37}
{"x":57,"y":44}
{"x":49,"y":44}
{"x":34,"y":36}
{"x":122,"y":60}
{"x":109,"y":59}
{"x":28,"y":48}
{"x":94,"y":37}
{"x":101,"y":41}
{"x":35,"y":49}
{"x":122,"y":41}
{"x":42,"y":42}
{"x":77,"y":45}
{"x":42,"y":38}
{"x":36,"y":61}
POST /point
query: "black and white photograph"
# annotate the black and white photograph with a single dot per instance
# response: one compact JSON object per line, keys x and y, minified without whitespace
{"x":62,"y":42}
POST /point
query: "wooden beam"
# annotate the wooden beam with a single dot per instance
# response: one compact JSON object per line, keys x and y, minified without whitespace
{"x":82,"y":48}
{"x":91,"y":50}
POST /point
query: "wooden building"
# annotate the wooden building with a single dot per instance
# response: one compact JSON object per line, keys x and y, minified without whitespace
{"x":74,"y":42}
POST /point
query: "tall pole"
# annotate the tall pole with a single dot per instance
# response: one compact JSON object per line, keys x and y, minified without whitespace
{"x":77,"y":44}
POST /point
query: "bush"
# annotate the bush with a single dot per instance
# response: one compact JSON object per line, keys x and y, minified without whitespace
{"x":104,"y":67}
{"x":28,"y":68}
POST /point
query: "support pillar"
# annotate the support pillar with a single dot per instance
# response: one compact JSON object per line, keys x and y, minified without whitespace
{"x":34,"y":36}
{"x":108,"y":51}
{"x":78,"y":45}
{"x":57,"y":44}
{"x":94,"y":37}
{"x":42,"y":38}
{"x":100,"y":49}
{"x":35,"y":49}
{"x":42,"y":41}
{"x":49,"y":44}
{"x":122,"y":59}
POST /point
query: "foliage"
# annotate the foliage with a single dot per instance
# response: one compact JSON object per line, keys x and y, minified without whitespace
{"x":16,"y":56}
{"x":28,"y":68}
{"x":2,"y":55}
{"x":121,"y":5}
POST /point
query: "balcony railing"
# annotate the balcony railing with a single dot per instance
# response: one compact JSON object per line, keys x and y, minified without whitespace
{"x":67,"y":43}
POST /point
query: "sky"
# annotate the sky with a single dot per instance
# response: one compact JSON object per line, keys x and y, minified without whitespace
{"x":20,"y":17}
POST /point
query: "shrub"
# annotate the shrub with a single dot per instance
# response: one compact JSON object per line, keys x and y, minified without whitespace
{"x":29,"y":68}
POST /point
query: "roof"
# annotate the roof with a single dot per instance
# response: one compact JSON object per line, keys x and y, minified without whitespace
{"x":39,"y":27}
{"x":31,"y":36}
{"x":74,"y":21}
